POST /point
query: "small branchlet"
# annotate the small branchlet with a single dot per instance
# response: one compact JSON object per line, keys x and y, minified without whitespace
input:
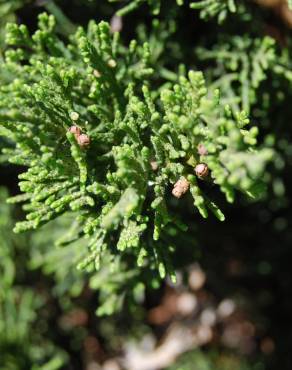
{"x":207,"y":8}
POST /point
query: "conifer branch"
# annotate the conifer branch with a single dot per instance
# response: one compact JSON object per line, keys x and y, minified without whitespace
{"x":53,"y":93}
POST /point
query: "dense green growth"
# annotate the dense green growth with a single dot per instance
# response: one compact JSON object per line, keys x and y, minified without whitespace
{"x":101,"y":142}
{"x":122,"y":150}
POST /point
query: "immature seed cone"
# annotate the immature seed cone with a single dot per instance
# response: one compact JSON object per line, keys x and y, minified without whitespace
{"x":75,"y":130}
{"x":180,"y":187}
{"x":154,"y":165}
{"x":83,"y":140}
{"x":202,"y":150}
{"x":202,"y":170}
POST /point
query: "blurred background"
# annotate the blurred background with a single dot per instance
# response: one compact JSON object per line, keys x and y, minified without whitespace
{"x":231,"y":308}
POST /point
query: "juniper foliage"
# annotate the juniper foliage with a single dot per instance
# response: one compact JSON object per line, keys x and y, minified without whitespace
{"x":105,"y":132}
{"x":142,"y":141}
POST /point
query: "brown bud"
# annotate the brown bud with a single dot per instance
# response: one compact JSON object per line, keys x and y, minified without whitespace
{"x":75,"y":130}
{"x":202,"y":150}
{"x":180,"y":187}
{"x":154,"y":165}
{"x":83,"y":140}
{"x":202,"y":170}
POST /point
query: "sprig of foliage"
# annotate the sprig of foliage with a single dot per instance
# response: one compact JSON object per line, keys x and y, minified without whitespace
{"x":134,"y":4}
{"x":208,"y":8}
{"x":7,"y":10}
{"x":214,"y":8}
{"x":241,"y":65}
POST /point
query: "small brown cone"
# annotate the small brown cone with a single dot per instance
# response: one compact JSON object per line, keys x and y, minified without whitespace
{"x":180,"y":187}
